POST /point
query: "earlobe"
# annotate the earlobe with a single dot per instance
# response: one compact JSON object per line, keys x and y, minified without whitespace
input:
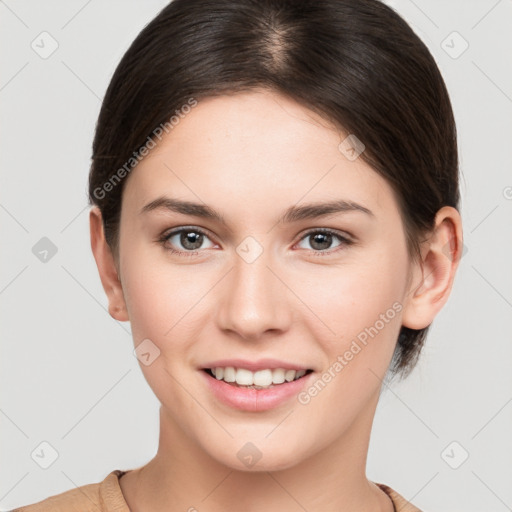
{"x":433,"y":282}
{"x":107,"y":268}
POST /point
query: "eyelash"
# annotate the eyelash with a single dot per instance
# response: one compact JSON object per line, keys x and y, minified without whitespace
{"x":165,"y":238}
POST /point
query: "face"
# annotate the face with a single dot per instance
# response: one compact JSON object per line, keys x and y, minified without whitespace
{"x":268,"y":285}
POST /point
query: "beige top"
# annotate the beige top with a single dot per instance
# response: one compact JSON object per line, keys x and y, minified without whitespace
{"x":106,"y":496}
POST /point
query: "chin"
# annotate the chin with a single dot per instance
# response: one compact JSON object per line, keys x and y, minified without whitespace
{"x":255,"y":456}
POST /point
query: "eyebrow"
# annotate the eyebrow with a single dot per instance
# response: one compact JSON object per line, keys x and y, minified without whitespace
{"x":292,"y":214}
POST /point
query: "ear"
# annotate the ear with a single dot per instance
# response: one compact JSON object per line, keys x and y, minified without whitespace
{"x":107,"y":268}
{"x":433,"y":278}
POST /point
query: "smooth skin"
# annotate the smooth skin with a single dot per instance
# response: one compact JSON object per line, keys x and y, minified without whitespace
{"x":250,"y":156}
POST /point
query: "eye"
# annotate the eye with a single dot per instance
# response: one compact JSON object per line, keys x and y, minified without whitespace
{"x":191,"y":239}
{"x":321,"y":240}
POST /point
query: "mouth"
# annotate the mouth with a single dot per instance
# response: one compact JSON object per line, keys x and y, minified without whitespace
{"x":261,"y":379}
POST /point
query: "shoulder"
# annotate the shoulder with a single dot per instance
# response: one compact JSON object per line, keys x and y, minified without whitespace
{"x":400,"y":503}
{"x":104,"y":496}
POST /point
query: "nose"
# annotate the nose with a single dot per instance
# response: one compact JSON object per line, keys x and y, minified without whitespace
{"x":255,"y":299}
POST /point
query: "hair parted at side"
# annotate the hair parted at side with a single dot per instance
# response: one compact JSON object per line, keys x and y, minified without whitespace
{"x":357,"y":63}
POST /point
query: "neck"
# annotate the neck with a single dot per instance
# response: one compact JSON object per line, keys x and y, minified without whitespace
{"x":183,"y":477}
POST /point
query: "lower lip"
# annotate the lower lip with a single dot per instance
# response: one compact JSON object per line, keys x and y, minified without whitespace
{"x":255,"y":400}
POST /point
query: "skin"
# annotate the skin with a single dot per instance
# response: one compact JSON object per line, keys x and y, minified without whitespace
{"x":250,"y":156}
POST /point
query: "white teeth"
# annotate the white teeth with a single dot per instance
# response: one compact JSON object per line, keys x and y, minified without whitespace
{"x":263,"y":378}
{"x":229,"y":374}
{"x":289,"y":375}
{"x":259,"y":379}
{"x":278,"y":376}
{"x":244,"y":377}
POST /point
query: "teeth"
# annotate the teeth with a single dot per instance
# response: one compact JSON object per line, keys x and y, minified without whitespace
{"x":244,"y":377}
{"x":278,"y":376}
{"x":289,"y":375}
{"x":229,"y":374}
{"x":260,"y":379}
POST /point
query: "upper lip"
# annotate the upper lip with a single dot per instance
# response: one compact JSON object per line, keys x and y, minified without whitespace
{"x":254,"y":366}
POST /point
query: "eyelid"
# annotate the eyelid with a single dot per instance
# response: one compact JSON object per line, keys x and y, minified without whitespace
{"x":179,"y":229}
{"x":342,"y":234}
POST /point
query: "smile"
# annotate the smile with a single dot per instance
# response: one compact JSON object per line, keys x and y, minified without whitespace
{"x":261,"y":379}
{"x":268,"y":384}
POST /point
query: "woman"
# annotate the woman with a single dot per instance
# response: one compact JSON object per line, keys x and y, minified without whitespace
{"x":275,"y":210}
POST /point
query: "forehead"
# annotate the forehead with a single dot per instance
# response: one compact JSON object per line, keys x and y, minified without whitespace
{"x":254,"y":145}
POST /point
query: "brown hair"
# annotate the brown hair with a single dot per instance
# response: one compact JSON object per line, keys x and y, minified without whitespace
{"x":356,"y":63}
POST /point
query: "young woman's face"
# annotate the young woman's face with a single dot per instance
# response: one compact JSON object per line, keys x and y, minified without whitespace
{"x":267,"y":284}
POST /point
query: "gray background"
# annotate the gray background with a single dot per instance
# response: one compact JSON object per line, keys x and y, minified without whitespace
{"x":67,"y":373}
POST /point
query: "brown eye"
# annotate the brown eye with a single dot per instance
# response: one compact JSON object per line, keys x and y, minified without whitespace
{"x":185,"y":240}
{"x":322,"y":240}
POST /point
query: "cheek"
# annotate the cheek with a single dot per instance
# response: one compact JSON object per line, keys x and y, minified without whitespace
{"x":161,"y":303}
{"x":362,"y":305}
{"x":349,"y":298}
{"x":158,"y":296}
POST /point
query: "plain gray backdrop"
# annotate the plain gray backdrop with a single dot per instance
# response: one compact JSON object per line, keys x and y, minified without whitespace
{"x":74,"y":404}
